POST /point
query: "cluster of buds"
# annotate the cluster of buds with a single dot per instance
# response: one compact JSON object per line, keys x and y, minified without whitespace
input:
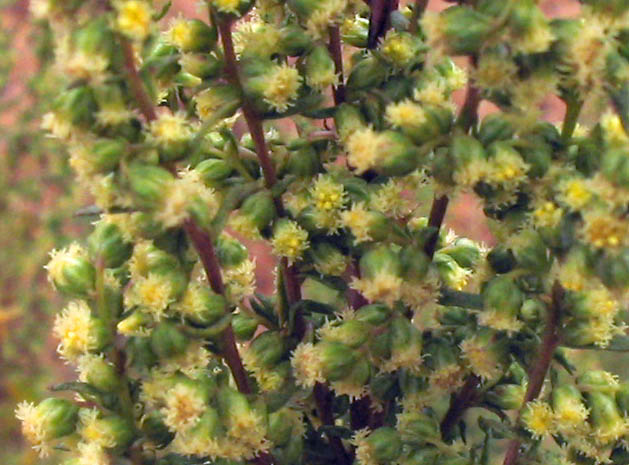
{"x":320,"y":128}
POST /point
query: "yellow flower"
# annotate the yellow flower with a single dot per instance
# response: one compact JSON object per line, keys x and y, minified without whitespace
{"x":307,"y":365}
{"x":538,"y":419}
{"x":603,"y":229}
{"x":227,"y":6}
{"x":494,"y":72}
{"x":546,"y":215}
{"x":574,"y":192}
{"x":152,"y":292}
{"x":358,"y":221}
{"x":327,"y":194}
{"x":254,"y":37}
{"x":363,"y":147}
{"x":289,"y":240}
{"x":480,"y":359}
{"x":76,"y":330}
{"x":282,"y":86}
{"x":92,"y":454}
{"x":383,"y":287}
{"x":240,"y":281}
{"x":134,"y":18}
{"x":405,"y":114}
{"x":169,"y":128}
{"x":184,"y":405}
{"x":399,"y":48}
{"x":93,"y":430}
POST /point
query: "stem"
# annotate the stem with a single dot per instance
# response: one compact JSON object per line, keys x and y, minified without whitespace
{"x":379,"y":20}
{"x":437,"y":214}
{"x":418,"y":10}
{"x":336,"y":50}
{"x":205,"y":248}
{"x":464,"y":399}
{"x":573,"y":109}
{"x":323,"y":399}
{"x":135,"y":81}
{"x":539,"y":368}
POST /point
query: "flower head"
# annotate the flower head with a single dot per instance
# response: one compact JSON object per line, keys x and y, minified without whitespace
{"x":134,"y":18}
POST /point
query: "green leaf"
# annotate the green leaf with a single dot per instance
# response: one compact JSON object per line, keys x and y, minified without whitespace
{"x":452,"y":298}
{"x":312,"y":306}
{"x":89,"y":392}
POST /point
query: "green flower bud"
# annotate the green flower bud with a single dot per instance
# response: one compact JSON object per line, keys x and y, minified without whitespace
{"x":402,"y":155}
{"x":201,"y":65}
{"x":231,"y":8}
{"x":539,"y":158}
{"x":77,"y":105}
{"x":268,"y":348}
{"x":336,"y":359}
{"x":185,"y":79}
{"x":417,"y":426}
{"x":256,"y":213}
{"x":374,"y":314}
{"x":383,"y":445}
{"x":118,"y":430}
{"x":282,"y":425}
{"x":51,"y":419}
{"x":218,"y":102}
{"x":567,"y":403}
{"x":368,"y":73}
{"x":379,"y":260}
{"x":140,"y":352}
{"x":532,"y":310}
{"x":606,"y":420}
{"x":231,"y":252}
{"x":149,"y":183}
{"x":294,"y":40}
{"x":461,"y":29}
{"x":303,"y":162}
{"x":154,"y":428}
{"x":162,"y":60}
{"x":406,"y":343}
{"x":201,"y":306}
{"x":414,"y":262}
{"x":531,"y":252}
{"x":507,"y":396}
{"x":101,"y":374}
{"x":355,"y":31}
{"x":328,"y":259}
{"x":320,"y":71}
{"x":352,"y":333}
{"x":167,"y":341}
{"x":598,"y":381}
{"x":244,"y":326}
{"x":107,"y":243}
{"x":464,"y":251}
{"x":213,"y":171}
{"x":348,"y":119}
{"x":424,"y":456}
{"x":495,"y":127}
{"x":454,"y":275}
{"x":95,"y":38}
{"x":192,"y":35}
{"x":71,"y":272}
{"x":106,"y":153}
{"x":502,"y":300}
{"x":136,"y":323}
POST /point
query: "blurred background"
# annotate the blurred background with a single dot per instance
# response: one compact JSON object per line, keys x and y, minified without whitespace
{"x":38,"y":202}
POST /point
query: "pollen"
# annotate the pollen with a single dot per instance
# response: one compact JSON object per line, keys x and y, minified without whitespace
{"x":169,"y":128}
{"x":602,"y":229}
{"x":240,"y":281}
{"x":153,"y":292}
{"x":363,"y":147}
{"x":358,"y":221}
{"x":481,"y":361}
{"x":184,"y":406}
{"x":383,"y":287}
{"x":327,"y":194}
{"x":574,"y":193}
{"x":282,"y":86}
{"x":308,"y":365}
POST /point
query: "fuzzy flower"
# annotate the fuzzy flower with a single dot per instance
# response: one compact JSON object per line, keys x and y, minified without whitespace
{"x":359,"y":221}
{"x":399,"y":48}
{"x":494,"y":72}
{"x":240,"y":281}
{"x":546,"y":215}
{"x":78,"y":332}
{"x":152,"y":292}
{"x":574,"y":192}
{"x":134,"y":18}
{"x":227,"y":6}
{"x":538,"y":419}
{"x":92,"y":454}
{"x":170,"y":128}
{"x":57,"y":125}
{"x":389,"y":200}
{"x":480,"y":359}
{"x":94,"y":430}
{"x":500,"y":321}
{"x":507,"y":168}
{"x":405,"y":114}
{"x":382,"y":287}
{"x":183,"y":407}
{"x":363,"y":147}
{"x":64,"y":266}
{"x":282,"y":87}
{"x":289,"y":240}
{"x":255,"y":37}
{"x":308,"y":365}
{"x":329,"y":198}
{"x":326,"y":13}
{"x":603,"y":229}
{"x":613,"y":130}
{"x":192,"y":362}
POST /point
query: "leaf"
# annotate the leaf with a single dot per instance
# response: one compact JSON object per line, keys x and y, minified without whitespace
{"x":320,"y":113}
{"x":163,"y":12}
{"x":450,"y":297}
{"x":618,"y":344}
{"x":235,"y":195}
{"x":312,"y":306}
{"x":89,"y":392}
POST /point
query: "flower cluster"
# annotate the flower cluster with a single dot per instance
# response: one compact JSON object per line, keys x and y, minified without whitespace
{"x":320,"y":128}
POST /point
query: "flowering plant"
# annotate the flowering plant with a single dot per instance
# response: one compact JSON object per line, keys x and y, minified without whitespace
{"x":318,"y":127}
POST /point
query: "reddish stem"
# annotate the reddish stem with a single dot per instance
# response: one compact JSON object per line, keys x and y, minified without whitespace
{"x":539,"y":368}
{"x":336,"y":50}
{"x":323,"y":398}
{"x":135,"y":81}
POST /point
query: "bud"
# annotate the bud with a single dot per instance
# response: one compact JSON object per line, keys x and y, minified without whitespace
{"x":374,"y":314}
{"x":464,"y":251}
{"x":191,"y":35}
{"x":598,"y":381}
{"x":380,"y":259}
{"x":495,"y":127}
{"x":531,"y":252}
{"x":111,"y":431}
{"x":137,"y":323}
{"x":402,"y":155}
{"x":502,"y":300}
{"x":366,"y":225}
{"x":231,"y":7}
{"x":507,"y":396}
{"x":244,"y":326}
{"x":255,"y":214}
{"x":51,"y":419}
{"x":533,"y":310}
{"x":76,"y":105}
{"x":167,"y":341}
{"x":414,"y":262}
{"x":213,"y":171}
{"x":539,"y":157}
{"x":294,"y":40}
{"x":218,"y":102}
{"x":95,"y":370}
{"x":201,"y":65}
{"x":162,"y":60}
{"x":283,"y":424}
{"x":106,"y":153}
{"x":154,"y":428}
{"x":201,"y":306}
{"x":606,"y":420}
{"x":348,"y":119}
{"x":320,"y":70}
{"x":353,"y":333}
{"x":328,"y":259}
{"x":108,"y":244}
{"x":368,"y":73}
{"x":382,"y":445}
{"x":355,"y":31}
{"x":417,"y":426}
{"x":231,"y":252}
{"x":460,"y":29}
{"x":501,"y":259}
{"x":303,"y":162}
{"x":402,"y":49}
{"x":70,"y":271}
{"x":268,"y":348}
{"x":454,"y":275}
{"x":567,"y":403}
{"x":149,"y":183}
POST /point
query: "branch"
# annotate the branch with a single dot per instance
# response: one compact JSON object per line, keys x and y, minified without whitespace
{"x":539,"y":368}
{"x":418,"y":10}
{"x":135,"y":81}
{"x":466,"y":397}
{"x":379,"y":21}
{"x":323,"y":399}
{"x":336,"y":50}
